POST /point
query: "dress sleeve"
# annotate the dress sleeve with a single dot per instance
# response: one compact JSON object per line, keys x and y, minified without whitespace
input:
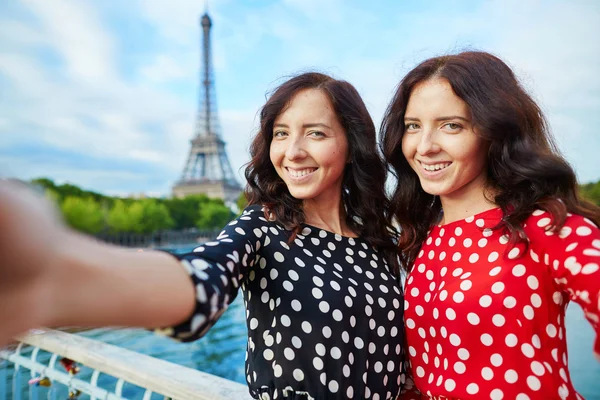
{"x":217,"y":268}
{"x":573,"y":257}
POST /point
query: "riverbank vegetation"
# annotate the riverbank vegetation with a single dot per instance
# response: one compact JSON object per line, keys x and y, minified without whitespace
{"x":93,"y":213}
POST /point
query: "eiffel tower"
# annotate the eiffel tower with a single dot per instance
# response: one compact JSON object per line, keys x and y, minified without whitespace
{"x":207,"y":169}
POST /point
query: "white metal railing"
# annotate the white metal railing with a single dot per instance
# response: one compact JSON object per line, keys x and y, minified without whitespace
{"x":156,"y":376}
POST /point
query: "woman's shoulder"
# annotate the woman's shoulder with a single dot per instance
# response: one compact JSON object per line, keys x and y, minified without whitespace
{"x":576,"y":232}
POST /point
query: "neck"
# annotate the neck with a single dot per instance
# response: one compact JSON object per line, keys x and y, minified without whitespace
{"x":457,"y":208}
{"x":329,"y":215}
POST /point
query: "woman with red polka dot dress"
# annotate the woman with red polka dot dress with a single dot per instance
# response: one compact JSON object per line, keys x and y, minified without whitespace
{"x":497,"y":241}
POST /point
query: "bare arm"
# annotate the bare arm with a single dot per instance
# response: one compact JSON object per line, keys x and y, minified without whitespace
{"x":99,"y":284}
{"x":52,"y":276}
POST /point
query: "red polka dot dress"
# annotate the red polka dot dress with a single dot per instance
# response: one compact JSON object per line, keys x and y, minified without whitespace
{"x":484,"y":321}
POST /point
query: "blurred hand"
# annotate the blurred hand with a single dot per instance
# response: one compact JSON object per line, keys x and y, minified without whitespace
{"x":30,"y":232}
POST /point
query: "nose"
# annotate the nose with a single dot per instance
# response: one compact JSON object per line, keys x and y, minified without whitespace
{"x":427,"y":143}
{"x":295,"y":149}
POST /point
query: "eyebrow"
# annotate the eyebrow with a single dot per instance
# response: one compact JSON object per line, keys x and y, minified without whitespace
{"x":311,"y":125}
{"x":439,"y":119}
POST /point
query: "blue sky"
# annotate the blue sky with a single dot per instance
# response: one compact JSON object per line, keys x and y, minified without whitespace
{"x":103,"y":93}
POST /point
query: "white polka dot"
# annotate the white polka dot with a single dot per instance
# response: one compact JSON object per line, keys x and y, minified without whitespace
{"x":459,"y":367}
{"x":296,"y":305}
{"x":496,"y":360}
{"x":466,"y":285}
{"x":485,"y":301}
{"x":306,"y":327}
{"x":410,"y":323}
{"x":318,"y":363}
{"x":298,"y":374}
{"x":536,"y":300}
{"x":450,"y":385}
{"x":495,"y":271}
{"x":467,"y":242}
{"x":493,"y":256}
{"x":532,"y":282}
{"x":473,"y":258}
{"x":420,"y":372}
{"x":289,"y":353}
{"x":514,"y":253}
{"x":590,"y":268}
{"x":511,"y":376}
{"x":486,"y":339}
{"x":498,"y":320}
{"x":253,"y":323}
{"x":278,"y":256}
{"x":518,"y":270}
{"x":496,"y":394}
{"x":324,"y":306}
{"x":487,"y":373}
{"x":473,"y":318}
{"x":458,"y":297}
{"x":455,"y":339}
{"x":551,"y":330}
{"x":456,"y":256}
{"x":528,"y":312}
{"x":511,"y":340}
{"x":463,"y":354}
{"x":527,"y":350}
{"x":537,"y":343}
{"x":337,"y":315}
{"x":583,"y":231}
{"x":450,"y":314}
{"x":538,"y":368}
{"x":533,"y":383}
{"x":472,"y":388}
{"x":498,"y":287}
{"x":510,"y":302}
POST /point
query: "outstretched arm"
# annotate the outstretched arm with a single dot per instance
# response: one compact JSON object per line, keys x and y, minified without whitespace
{"x":52,"y":276}
{"x":573,"y":257}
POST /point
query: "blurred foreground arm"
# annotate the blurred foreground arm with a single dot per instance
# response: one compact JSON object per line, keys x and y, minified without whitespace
{"x":52,"y":276}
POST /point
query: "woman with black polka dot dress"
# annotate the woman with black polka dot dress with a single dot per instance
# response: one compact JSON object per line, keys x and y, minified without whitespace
{"x":314,"y":255}
{"x":496,"y":236}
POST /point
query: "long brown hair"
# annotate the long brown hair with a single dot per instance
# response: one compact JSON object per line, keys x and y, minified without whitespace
{"x":363,"y":186}
{"x":524,"y":166}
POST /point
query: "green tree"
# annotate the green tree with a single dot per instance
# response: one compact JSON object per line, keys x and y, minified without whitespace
{"x":83,"y":214}
{"x":241,"y":202}
{"x":155,"y":216}
{"x":185,"y":211}
{"x":119,"y":219}
{"x":213,"y":214}
{"x":591,"y":191}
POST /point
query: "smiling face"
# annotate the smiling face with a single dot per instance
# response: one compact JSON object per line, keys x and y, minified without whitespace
{"x":440,"y":144}
{"x":309,"y":149}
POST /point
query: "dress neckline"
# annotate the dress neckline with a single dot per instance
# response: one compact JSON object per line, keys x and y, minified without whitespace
{"x":487,"y":214}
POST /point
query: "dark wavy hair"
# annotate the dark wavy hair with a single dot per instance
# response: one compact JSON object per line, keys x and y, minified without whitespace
{"x":363,"y":185}
{"x":524,"y":168}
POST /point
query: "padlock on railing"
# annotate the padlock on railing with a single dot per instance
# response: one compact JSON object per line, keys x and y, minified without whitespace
{"x":40,"y":381}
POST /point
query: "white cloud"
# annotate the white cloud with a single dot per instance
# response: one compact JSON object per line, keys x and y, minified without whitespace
{"x":76,"y":33}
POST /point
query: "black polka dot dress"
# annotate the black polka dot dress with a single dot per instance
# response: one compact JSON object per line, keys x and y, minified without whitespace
{"x":324,"y":312}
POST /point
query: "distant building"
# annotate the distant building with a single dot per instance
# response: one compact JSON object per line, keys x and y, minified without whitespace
{"x":207,"y":169}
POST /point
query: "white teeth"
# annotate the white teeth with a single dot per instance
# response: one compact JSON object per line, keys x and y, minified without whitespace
{"x":435,"y":167}
{"x":301,"y":173}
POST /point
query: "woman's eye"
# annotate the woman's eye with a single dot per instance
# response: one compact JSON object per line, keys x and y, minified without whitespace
{"x":410,"y":126}
{"x":317,"y":134}
{"x":453,"y":126}
{"x":279,"y":134}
